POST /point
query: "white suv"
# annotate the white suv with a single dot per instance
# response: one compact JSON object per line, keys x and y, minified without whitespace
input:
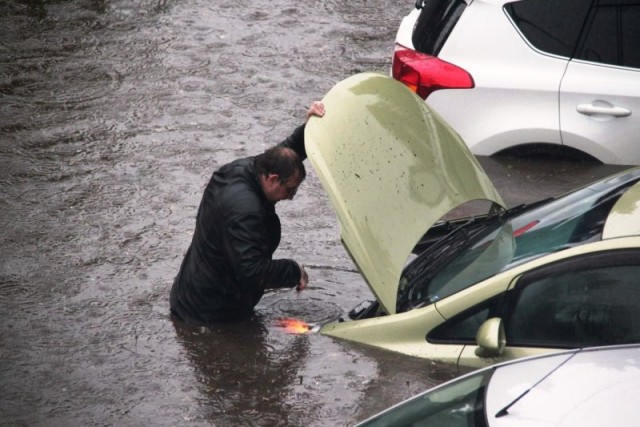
{"x":517,"y":77}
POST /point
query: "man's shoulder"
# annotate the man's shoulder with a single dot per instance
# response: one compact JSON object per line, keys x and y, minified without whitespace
{"x":236,"y":172}
{"x":241,"y":190}
{"x":238,"y":166}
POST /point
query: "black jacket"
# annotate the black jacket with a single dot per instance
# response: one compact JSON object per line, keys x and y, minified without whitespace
{"x":229,"y":262}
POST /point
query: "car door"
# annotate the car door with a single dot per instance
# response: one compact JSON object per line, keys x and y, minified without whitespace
{"x":589,"y":300}
{"x":600,"y":91}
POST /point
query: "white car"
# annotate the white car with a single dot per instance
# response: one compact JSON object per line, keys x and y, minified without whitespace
{"x":581,"y":388}
{"x":518,"y":77}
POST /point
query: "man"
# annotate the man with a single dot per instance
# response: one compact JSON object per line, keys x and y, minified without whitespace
{"x":229,"y":262}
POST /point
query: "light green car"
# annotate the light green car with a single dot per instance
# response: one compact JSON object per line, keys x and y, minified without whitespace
{"x":493,"y":285}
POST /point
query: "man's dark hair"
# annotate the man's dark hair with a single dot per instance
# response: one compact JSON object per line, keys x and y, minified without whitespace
{"x":281,"y":161}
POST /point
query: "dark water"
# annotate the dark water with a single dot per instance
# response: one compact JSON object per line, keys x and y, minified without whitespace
{"x":113,"y":114}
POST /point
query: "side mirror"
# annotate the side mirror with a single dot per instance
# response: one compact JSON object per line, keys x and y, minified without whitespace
{"x":491,"y":338}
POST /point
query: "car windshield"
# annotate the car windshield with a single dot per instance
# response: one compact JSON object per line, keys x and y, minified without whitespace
{"x":482,"y":248}
{"x":461,"y":403}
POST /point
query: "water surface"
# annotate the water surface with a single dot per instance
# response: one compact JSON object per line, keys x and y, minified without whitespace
{"x":113,"y":115}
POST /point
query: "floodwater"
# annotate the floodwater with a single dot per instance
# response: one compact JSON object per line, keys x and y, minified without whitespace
{"x":113,"y":115}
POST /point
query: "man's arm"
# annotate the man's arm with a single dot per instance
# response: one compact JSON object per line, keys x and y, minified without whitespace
{"x":295,"y":141}
{"x":249,"y":257}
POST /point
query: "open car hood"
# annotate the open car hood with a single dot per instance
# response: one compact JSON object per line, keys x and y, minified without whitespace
{"x":391,"y":167}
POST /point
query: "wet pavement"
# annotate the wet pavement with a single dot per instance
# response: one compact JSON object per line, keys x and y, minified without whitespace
{"x":113,"y":115}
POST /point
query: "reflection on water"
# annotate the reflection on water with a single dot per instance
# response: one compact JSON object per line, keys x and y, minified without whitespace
{"x":241,"y":376}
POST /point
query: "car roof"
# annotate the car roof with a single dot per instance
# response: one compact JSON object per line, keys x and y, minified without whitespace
{"x":624,"y":218}
{"x":391,"y":168}
{"x":588,"y":387}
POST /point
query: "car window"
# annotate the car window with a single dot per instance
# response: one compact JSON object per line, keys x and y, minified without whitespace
{"x":482,"y":259}
{"x":585,"y":301}
{"x":474,"y":254}
{"x":614,"y":35}
{"x":458,"y":404}
{"x":436,"y":21}
{"x":462,"y":329}
{"x":550,"y":25}
{"x":487,"y":246}
{"x":579,"y":218}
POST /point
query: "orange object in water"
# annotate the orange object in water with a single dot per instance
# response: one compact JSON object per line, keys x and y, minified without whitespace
{"x":294,"y":326}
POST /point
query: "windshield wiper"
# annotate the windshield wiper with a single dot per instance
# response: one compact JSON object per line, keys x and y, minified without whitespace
{"x":417,"y":275}
{"x":413,"y":290}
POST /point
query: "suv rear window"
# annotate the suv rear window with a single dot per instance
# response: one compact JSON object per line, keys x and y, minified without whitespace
{"x":437,"y":19}
{"x":549,"y":25}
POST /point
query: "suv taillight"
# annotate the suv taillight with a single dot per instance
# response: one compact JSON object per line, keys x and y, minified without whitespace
{"x":425,"y":74}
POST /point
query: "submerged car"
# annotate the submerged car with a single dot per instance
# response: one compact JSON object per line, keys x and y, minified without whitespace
{"x":468,"y":289}
{"x":581,"y":388}
{"x":528,"y":75}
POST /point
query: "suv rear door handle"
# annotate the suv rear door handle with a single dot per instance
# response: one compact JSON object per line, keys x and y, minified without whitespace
{"x":590,"y":109}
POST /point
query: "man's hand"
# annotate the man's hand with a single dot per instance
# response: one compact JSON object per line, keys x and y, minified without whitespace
{"x":304,"y":279}
{"x":316,"y":109}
